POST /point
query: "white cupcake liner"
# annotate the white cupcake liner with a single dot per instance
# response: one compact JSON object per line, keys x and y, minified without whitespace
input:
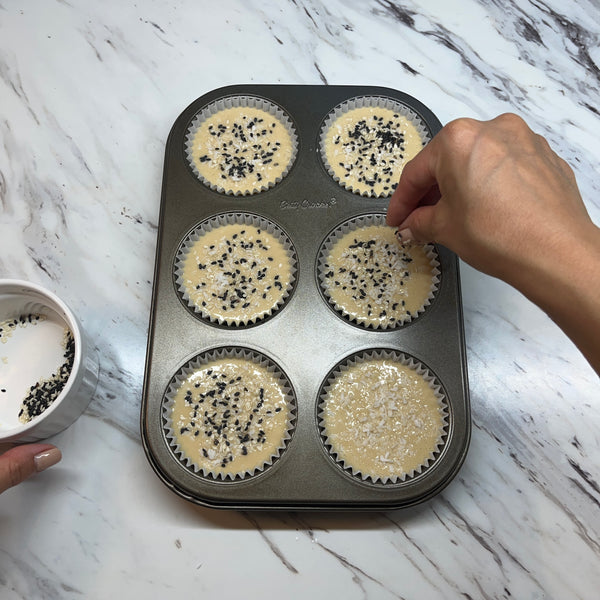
{"x":377,"y":219}
{"x":240,"y":102}
{"x":419,"y":368}
{"x":202,"y":360}
{"x":214,"y":223}
{"x":374,"y":102}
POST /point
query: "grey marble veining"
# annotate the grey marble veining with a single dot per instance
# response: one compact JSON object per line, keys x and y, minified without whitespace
{"x":88,"y":93}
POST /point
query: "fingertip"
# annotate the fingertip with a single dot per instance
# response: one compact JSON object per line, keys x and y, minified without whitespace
{"x":47,"y":458}
{"x":405,"y":235}
{"x":417,"y":181}
{"x":401,"y":203}
{"x":20,"y":462}
{"x":418,"y":226}
{"x":394,"y":212}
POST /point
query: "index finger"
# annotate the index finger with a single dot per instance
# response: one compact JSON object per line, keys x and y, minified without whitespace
{"x":416,"y":180}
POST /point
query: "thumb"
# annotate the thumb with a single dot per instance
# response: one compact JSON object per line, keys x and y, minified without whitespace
{"x":418,"y":226}
{"x":18,"y":463}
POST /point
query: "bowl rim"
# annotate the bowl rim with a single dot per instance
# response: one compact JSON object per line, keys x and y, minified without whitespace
{"x":18,"y":287}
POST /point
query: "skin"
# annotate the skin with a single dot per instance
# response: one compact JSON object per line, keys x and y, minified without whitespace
{"x":496,"y":194}
{"x":20,"y":462}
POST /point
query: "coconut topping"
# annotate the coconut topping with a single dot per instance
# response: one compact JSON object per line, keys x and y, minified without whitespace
{"x":382,"y":419}
{"x":376,"y":280}
{"x":367,"y":148}
{"x":230,"y":416}
{"x":237,"y":273}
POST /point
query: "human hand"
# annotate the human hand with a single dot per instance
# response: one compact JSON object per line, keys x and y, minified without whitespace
{"x":20,"y":462}
{"x":493,"y":192}
{"x":496,"y":194}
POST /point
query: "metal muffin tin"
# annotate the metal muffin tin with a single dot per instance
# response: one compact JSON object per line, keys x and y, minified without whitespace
{"x":306,"y":338}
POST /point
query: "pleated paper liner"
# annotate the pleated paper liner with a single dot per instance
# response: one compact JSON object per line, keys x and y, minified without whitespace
{"x":229,"y":414}
{"x":366,"y":141}
{"x":373,"y":280}
{"x":241,"y":145}
{"x":383,"y":417}
{"x":235,"y":269}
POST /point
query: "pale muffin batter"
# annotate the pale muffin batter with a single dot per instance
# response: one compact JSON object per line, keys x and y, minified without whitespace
{"x":241,"y":149}
{"x":382,"y":419}
{"x":237,"y":273}
{"x":230,"y":417}
{"x":375,"y":280}
{"x":367,"y":148}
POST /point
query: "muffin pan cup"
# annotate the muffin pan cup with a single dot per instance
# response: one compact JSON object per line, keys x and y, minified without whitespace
{"x":356,"y":224}
{"x":361,"y":361}
{"x":231,"y":102}
{"x":306,"y":338}
{"x":372,"y":102}
{"x":277,"y":444}
{"x":211,"y":225}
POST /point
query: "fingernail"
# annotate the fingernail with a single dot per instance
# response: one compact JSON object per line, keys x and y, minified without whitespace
{"x":46,"y":459}
{"x":405,"y":235}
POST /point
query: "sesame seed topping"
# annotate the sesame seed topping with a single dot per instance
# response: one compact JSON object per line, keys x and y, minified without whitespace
{"x":374,"y":279}
{"x":233,"y":262}
{"x":367,"y":148}
{"x":246,"y":427}
{"x":238,"y":148}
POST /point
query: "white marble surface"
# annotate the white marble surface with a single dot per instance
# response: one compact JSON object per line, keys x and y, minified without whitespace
{"x":88,"y":93}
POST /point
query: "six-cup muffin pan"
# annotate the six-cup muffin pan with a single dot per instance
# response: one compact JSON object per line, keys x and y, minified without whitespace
{"x":305,"y":338}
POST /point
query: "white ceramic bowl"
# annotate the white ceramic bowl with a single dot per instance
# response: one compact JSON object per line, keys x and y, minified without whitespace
{"x":28,"y":353}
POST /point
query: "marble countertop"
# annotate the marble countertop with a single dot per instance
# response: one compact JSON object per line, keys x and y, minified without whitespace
{"x":88,"y":93}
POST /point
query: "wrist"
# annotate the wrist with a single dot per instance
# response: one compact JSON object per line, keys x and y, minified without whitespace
{"x":561,"y":257}
{"x":563,"y":279}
